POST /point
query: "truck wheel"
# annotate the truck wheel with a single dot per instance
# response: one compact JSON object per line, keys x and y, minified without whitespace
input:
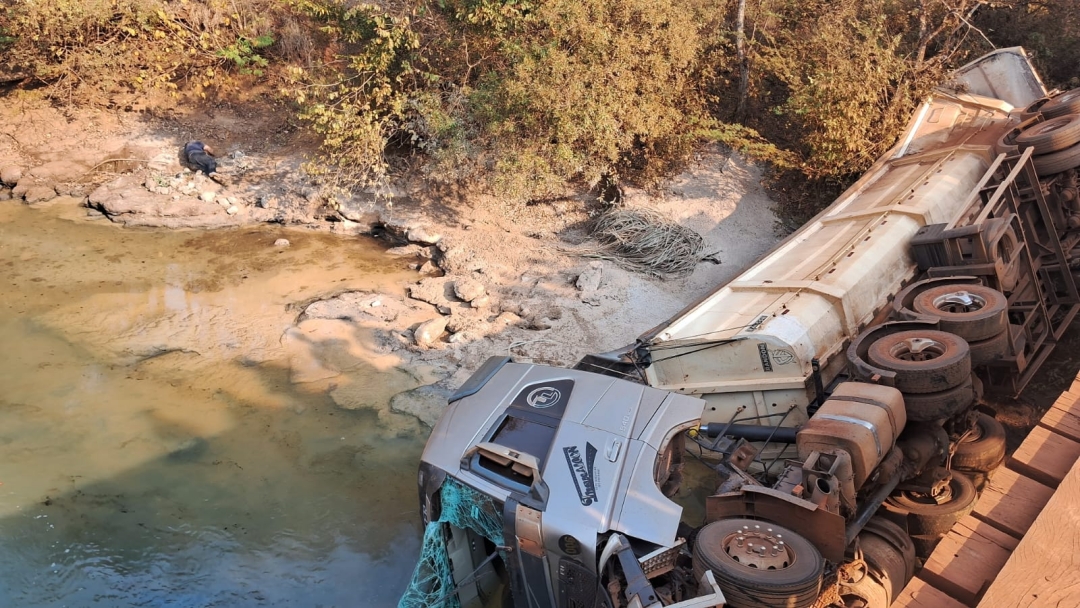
{"x":1033,"y":108}
{"x":1050,"y":136}
{"x":757,"y":563}
{"x":1066,"y":103}
{"x":924,"y":407}
{"x":983,"y":449}
{"x":973,"y":312}
{"x":925,"y":361}
{"x":1056,"y":162}
{"x":989,"y":350}
{"x":935,"y":515}
{"x":888,"y":548}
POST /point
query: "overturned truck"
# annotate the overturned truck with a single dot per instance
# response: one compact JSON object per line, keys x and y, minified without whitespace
{"x":833,"y":389}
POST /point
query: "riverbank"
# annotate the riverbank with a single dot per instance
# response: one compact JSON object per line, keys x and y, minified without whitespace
{"x":484,"y":277}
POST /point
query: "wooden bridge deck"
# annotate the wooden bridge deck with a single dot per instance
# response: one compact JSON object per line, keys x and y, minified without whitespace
{"x":1021,"y":544}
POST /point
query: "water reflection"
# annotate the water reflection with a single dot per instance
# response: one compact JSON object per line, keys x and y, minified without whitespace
{"x":154,"y":450}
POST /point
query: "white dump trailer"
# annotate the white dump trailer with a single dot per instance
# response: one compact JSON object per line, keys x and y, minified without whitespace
{"x":834,"y":389}
{"x":753,"y":342}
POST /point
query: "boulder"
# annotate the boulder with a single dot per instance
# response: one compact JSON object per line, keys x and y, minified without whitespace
{"x":60,"y":171}
{"x":282,"y":243}
{"x":589,"y":279}
{"x":432,"y":290}
{"x":430,"y":331}
{"x":406,"y":251}
{"x":420,"y":234}
{"x":19,"y":190}
{"x":10,"y":175}
{"x":468,"y":289}
{"x":39,"y":194}
{"x":5,"y":194}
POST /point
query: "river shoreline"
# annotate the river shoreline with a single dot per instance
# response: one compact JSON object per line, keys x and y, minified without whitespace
{"x":488,"y":278}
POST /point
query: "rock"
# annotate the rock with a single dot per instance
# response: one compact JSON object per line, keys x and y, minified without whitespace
{"x":406,"y":251}
{"x":232,"y":210}
{"x":360,"y":209}
{"x":589,"y":279}
{"x":20,"y":188}
{"x":5,"y":194}
{"x":428,"y":268}
{"x":10,"y":175}
{"x":468,"y":289}
{"x":507,"y":319}
{"x":59,"y":171}
{"x":459,"y":337}
{"x":468,"y":321}
{"x":432,"y":290}
{"x":420,"y":234}
{"x":457,"y":260}
{"x":482,"y":302}
{"x":208,"y":196}
{"x":426,"y":403}
{"x":39,"y":194}
{"x":282,"y":243}
{"x":430,"y":331}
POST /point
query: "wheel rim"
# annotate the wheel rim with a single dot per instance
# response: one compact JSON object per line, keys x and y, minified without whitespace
{"x":759,"y":547}
{"x":945,"y":496}
{"x":959,"y":302}
{"x":917,"y":349}
{"x":973,"y":435}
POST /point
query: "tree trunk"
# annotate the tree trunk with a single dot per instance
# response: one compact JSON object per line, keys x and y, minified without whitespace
{"x":744,"y":61}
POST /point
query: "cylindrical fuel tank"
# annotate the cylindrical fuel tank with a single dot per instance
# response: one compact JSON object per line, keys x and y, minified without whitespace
{"x":861,"y":419}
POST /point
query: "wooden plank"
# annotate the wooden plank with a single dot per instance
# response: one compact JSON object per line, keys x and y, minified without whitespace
{"x":1045,"y":456}
{"x":919,"y":594}
{"x":968,"y":559}
{"x":1010,"y":502}
{"x":1045,"y":568}
{"x":1063,"y":421}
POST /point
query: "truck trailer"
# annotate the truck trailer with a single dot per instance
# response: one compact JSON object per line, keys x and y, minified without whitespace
{"x":834,"y":390}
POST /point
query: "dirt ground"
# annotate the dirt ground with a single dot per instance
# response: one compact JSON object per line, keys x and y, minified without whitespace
{"x":534,"y":303}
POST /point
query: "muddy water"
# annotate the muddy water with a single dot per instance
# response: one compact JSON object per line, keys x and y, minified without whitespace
{"x":155,"y":446}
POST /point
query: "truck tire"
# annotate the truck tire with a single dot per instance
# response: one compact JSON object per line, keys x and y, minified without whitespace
{"x":925,"y":407}
{"x":1066,"y":103}
{"x":973,"y":312}
{"x":926,"y":516}
{"x":790,"y":578}
{"x":1056,"y":162}
{"x":1052,"y":135}
{"x":1033,"y":109}
{"x":925,"y":361}
{"x":984,"y":449}
{"x":888,"y":548}
{"x":989,"y":350}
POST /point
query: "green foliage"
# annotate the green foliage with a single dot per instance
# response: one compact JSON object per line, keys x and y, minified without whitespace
{"x":360,"y":103}
{"x":244,"y":54}
{"x":528,"y":95}
{"x":574,"y":89}
{"x":850,"y":88}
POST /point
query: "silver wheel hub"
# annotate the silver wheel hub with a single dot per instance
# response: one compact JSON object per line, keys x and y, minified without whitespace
{"x":959,"y":302}
{"x":918,"y":349}
{"x":759,"y":546}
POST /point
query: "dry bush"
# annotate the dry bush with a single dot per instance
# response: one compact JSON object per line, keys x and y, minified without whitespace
{"x":88,"y":50}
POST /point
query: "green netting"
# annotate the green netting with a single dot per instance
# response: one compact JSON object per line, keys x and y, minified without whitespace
{"x":432,"y":583}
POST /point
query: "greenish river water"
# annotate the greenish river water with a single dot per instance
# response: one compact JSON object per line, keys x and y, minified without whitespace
{"x":154,"y":448}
